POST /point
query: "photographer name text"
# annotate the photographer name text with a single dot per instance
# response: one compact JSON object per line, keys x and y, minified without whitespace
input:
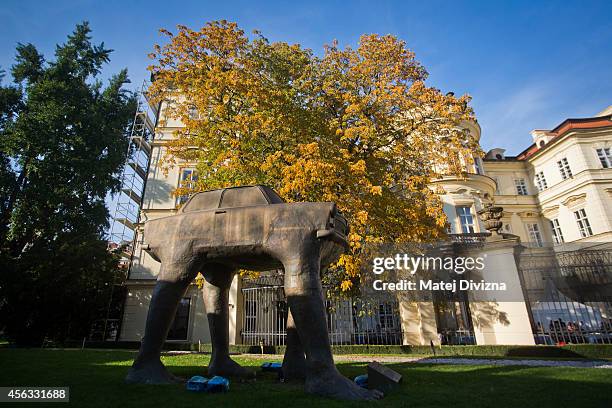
{"x":442,"y":286}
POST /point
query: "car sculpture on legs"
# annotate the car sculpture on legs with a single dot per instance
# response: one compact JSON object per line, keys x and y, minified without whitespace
{"x":219,"y":232}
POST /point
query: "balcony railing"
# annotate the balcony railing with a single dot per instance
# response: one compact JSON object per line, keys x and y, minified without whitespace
{"x":469,"y":238}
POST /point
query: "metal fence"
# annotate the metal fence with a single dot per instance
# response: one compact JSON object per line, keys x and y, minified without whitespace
{"x":349,"y":321}
{"x":568,"y":291}
{"x":265,"y":316}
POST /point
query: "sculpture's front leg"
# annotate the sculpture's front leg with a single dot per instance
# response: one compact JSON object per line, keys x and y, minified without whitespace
{"x":173,"y":280}
{"x":305,"y":299}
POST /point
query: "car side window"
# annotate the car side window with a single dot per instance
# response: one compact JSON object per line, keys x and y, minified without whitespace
{"x":242,"y":197}
{"x":207,"y":200}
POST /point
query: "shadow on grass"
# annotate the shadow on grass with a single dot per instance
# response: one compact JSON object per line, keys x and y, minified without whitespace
{"x":96,"y":380}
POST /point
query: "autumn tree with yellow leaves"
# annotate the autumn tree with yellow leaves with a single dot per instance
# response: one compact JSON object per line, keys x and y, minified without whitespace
{"x":357,"y":126}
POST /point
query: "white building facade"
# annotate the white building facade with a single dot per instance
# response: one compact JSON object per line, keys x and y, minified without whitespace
{"x":558,"y":190}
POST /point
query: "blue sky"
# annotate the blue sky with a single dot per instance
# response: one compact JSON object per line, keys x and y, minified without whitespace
{"x":526,"y":64}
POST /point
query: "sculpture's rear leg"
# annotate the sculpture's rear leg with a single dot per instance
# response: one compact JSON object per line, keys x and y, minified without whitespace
{"x":294,"y":362}
{"x":305,"y":299}
{"x":218,"y":279}
{"x":173,"y":280}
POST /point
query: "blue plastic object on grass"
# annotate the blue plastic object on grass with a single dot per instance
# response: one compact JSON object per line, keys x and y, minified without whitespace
{"x":197,"y":383}
{"x":362,"y":380}
{"x":217,"y":384}
{"x":272,"y":367}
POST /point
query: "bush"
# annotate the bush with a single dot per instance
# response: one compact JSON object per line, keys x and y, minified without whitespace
{"x":575,"y":351}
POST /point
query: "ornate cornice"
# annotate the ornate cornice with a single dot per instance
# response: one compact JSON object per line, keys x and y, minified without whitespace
{"x":527,"y":214}
{"x":574,"y":200}
{"x":552,"y":210}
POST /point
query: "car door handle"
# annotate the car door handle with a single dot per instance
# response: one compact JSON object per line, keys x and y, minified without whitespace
{"x":220,"y":212}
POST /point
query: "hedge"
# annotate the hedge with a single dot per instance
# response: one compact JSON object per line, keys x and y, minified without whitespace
{"x":576,"y":351}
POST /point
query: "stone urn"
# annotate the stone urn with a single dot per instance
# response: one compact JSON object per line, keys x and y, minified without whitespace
{"x":491,"y":217}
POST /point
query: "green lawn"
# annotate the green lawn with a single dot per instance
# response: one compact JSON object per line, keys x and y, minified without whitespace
{"x":96,"y":379}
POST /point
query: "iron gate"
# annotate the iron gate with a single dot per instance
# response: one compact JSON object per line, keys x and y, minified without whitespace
{"x":349,"y":321}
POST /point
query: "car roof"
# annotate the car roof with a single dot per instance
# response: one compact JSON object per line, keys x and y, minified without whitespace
{"x":269,"y":194}
{"x":232,"y":187}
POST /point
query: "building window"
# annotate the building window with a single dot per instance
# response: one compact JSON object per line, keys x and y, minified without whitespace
{"x":193,"y":113}
{"x":521,"y":186}
{"x":556,"y":231}
{"x":478,"y":165}
{"x":187,"y":180}
{"x":534,"y":234}
{"x":496,"y":180}
{"x":466,"y":219}
{"x":180,"y":325}
{"x":605,"y":158}
{"x":386,"y":316}
{"x":584,"y":226}
{"x":564,"y":168}
{"x":541,"y":181}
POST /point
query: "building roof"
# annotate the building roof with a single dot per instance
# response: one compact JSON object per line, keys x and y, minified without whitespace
{"x":602,"y":119}
{"x":564,"y":128}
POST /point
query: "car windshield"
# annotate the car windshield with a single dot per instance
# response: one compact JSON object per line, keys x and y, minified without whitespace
{"x":272,"y":196}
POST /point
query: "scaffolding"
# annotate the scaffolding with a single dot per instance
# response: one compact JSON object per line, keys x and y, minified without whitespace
{"x":134,"y":174}
{"x":128,"y":202}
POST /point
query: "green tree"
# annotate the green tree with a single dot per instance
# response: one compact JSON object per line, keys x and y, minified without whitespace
{"x":357,"y":126}
{"x":62,"y":144}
